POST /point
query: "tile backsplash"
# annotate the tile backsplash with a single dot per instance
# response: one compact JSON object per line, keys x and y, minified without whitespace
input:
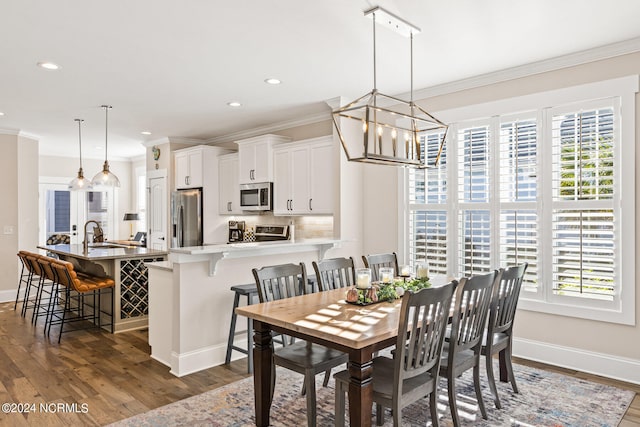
{"x":306,"y":227}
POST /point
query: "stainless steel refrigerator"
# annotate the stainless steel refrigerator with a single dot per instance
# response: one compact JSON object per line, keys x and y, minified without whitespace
{"x":186,"y":218}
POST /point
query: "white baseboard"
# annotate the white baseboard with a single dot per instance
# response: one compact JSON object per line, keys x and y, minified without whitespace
{"x":187,"y":363}
{"x":8,"y":295}
{"x":606,"y":365}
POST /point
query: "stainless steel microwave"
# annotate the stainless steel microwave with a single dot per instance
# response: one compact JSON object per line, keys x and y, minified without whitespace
{"x":256,"y":197}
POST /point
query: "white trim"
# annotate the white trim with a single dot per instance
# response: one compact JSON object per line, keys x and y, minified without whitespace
{"x":193,"y":361}
{"x":275,"y":127}
{"x":9,"y":295}
{"x":532,"y":68}
{"x":610,"y":366}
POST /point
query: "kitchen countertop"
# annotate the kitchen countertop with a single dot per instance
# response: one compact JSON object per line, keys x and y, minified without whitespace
{"x":102,"y":251}
{"x":215,"y":252}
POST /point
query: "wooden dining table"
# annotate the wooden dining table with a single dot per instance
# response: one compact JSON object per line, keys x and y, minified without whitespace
{"x":324,"y":318}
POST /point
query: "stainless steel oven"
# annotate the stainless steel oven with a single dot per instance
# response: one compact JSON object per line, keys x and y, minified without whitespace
{"x":256,"y":197}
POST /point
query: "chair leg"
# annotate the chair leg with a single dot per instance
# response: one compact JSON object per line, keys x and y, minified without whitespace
{"x":379,"y":414}
{"x":509,"y":367}
{"x":397,"y":415}
{"x":491,"y":378}
{"x":327,"y":376}
{"x":433,"y":406}
{"x":453,"y":407}
{"x":476,"y":385}
{"x":67,"y":305}
{"x":232,"y":328}
{"x":339,"y":404}
{"x":310,"y":382}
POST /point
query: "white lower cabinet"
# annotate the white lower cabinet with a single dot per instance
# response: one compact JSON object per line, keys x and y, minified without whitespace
{"x":303,"y":177}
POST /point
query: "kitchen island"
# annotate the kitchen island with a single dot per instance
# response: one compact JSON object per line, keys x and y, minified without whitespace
{"x":124,"y":264}
{"x":190,"y":300}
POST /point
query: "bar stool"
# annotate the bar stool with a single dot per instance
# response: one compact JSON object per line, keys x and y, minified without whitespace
{"x":250,"y":291}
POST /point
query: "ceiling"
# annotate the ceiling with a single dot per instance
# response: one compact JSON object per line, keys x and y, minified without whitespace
{"x":171,"y":67}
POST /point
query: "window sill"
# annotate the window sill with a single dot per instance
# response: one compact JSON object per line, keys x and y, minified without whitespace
{"x":623,"y":317}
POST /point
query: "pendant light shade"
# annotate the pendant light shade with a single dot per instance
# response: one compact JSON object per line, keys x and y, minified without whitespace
{"x":383,"y":129}
{"x":105,"y":177}
{"x":80,"y":183}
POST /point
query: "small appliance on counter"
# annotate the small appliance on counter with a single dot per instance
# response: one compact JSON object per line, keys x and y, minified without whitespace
{"x":236,"y":231}
{"x":269,"y":233}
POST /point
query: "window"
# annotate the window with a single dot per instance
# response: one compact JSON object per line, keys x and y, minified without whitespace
{"x":543,"y":186}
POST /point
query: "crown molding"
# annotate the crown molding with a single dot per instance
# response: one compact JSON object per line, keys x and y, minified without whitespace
{"x":275,"y":127}
{"x":18,"y":132}
{"x":565,"y":61}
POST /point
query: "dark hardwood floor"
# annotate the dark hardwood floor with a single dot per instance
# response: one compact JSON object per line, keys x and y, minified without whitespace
{"x":111,"y":377}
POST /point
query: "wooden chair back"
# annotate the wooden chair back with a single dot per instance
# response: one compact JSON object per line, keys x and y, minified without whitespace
{"x":471,"y":307}
{"x":335,"y":273}
{"x":424,"y":316}
{"x":281,"y":281}
{"x":375,"y":262}
{"x":505,"y":299}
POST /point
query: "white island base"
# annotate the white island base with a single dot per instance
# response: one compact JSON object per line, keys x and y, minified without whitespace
{"x":190,"y":300}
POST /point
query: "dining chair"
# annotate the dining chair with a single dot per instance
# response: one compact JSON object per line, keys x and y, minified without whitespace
{"x":286,"y":281}
{"x":461,"y":351}
{"x":335,"y":273}
{"x":499,"y":336}
{"x":412,"y":374}
{"x":375,"y":262}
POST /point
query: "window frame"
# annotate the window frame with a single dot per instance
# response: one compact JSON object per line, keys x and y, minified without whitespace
{"x":622,"y":308}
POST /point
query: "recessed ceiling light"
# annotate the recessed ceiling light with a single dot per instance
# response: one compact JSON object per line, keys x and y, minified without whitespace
{"x":146,"y":132}
{"x":234,"y":104}
{"x":272,"y":81}
{"x":1,"y":113}
{"x":48,"y":65}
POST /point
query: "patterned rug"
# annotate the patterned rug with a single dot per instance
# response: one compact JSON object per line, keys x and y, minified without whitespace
{"x":545,"y":399}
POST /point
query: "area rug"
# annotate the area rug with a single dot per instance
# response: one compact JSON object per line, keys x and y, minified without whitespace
{"x":545,"y":399}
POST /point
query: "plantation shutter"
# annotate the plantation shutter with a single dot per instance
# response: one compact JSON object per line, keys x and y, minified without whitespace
{"x":517,"y":174}
{"x":583,"y":185}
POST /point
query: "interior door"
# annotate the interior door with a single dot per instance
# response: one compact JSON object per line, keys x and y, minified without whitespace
{"x":61,"y":211}
{"x":157,"y":213}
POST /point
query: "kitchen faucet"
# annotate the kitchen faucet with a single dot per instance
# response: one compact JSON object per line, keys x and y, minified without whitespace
{"x":85,"y":242}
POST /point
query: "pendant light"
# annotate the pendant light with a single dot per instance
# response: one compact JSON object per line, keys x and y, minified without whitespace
{"x":105,"y":177}
{"x":391,"y":128}
{"x":80,"y":183}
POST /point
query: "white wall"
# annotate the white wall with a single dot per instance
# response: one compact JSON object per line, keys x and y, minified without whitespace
{"x":19,"y":213}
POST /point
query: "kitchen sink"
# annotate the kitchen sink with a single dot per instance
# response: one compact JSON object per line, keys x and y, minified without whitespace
{"x":107,"y":246}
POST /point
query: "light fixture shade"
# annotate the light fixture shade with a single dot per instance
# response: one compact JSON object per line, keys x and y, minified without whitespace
{"x":80,"y":183}
{"x":105,"y":178}
{"x":131,"y":216}
{"x":390,"y":130}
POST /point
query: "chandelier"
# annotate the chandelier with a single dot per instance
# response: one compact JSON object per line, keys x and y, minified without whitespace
{"x":383,"y":129}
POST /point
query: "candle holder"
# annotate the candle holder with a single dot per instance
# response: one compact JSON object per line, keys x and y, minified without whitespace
{"x":363,"y":278}
{"x":405,"y":272}
{"x":386,"y":274}
{"x":422,"y":271}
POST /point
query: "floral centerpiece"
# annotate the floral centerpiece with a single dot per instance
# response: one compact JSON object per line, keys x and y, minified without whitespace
{"x":385,"y":291}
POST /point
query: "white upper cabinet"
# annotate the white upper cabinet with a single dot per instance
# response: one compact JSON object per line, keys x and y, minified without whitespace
{"x":304,"y":181}
{"x":189,"y":167}
{"x":229,"y":188}
{"x":322,"y":177}
{"x":256,"y":158}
